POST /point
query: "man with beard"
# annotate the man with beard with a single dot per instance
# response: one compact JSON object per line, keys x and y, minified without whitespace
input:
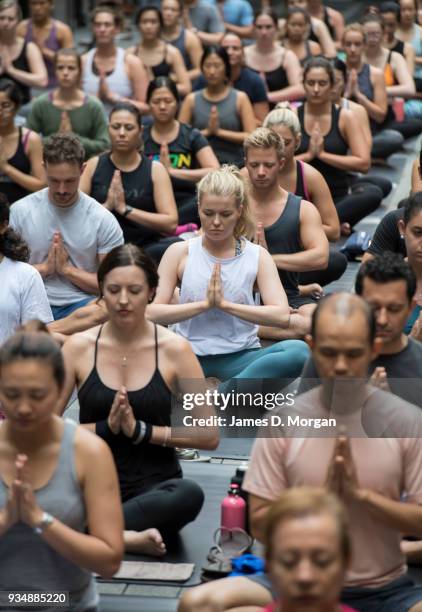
{"x":387,"y":284}
{"x":372,"y":476}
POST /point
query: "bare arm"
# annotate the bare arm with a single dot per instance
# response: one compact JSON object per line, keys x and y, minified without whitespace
{"x":194,"y":50}
{"x":165,"y":219}
{"x":258,"y":509}
{"x":358,"y":159}
{"x":247,"y":120}
{"x":101,"y":550}
{"x":409,"y":55}
{"x":295,"y":90}
{"x":324,"y":38}
{"x":261,"y":110}
{"x":81,"y":319}
{"x":87,"y":174}
{"x":179,"y":69}
{"x":416,"y":177}
{"x":315,"y":244}
{"x":403,"y":517}
{"x":186,"y":111}
{"x":162,"y":310}
{"x":405,"y":84}
{"x":37,"y":77}
{"x":320,"y":196}
{"x":207,"y":160}
{"x":241,"y":31}
{"x":337,"y":22}
{"x":275,"y":308}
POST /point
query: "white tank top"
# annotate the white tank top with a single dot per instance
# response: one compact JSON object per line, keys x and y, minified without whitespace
{"x":118,"y":81}
{"x":215,"y":332}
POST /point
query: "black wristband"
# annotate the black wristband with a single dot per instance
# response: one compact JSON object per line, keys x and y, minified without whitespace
{"x":103,"y":430}
{"x":136,"y":432}
{"x":148,"y":433}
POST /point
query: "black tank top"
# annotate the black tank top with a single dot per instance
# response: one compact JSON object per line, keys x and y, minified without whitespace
{"x":334,"y":143}
{"x":399,"y":47}
{"x":21,"y":63}
{"x":21,"y":162}
{"x":283,"y":237}
{"x":326,"y":20}
{"x":180,"y":43}
{"x":139,"y":193}
{"x":139,"y":466}
{"x":161,"y":69}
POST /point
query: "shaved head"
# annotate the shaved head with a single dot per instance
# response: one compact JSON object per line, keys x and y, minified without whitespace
{"x":341,"y":307}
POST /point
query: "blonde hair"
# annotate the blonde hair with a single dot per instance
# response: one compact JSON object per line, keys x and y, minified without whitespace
{"x":6,"y":4}
{"x":264,"y":138}
{"x":227,"y":182}
{"x":353,"y":27}
{"x":299,"y":502}
{"x":283,"y":115}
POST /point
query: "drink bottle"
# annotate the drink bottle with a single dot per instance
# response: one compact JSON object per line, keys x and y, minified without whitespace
{"x":233,"y":509}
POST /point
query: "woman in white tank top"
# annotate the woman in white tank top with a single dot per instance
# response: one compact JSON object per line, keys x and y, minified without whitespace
{"x":219,"y":273}
{"x":108,"y":72}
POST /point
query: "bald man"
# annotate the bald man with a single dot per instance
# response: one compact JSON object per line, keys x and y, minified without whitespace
{"x":373,"y":476}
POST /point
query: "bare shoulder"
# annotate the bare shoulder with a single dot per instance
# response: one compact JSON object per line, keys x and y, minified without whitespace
{"x":62,"y":28}
{"x":376,"y":73}
{"x":177,"y":250}
{"x":307,"y":210}
{"x":172,"y":344}
{"x":77,"y":344}
{"x":33,"y":137}
{"x":89,"y":448}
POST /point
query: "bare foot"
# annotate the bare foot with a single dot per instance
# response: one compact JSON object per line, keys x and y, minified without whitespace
{"x":148,"y":542}
{"x":345,"y":229}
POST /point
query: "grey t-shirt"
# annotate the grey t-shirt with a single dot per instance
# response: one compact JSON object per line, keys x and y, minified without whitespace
{"x":206,"y":18}
{"x":87,"y":229}
{"x":404,"y":372}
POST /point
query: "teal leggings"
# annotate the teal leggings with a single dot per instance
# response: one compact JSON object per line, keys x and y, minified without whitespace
{"x":281,"y":360}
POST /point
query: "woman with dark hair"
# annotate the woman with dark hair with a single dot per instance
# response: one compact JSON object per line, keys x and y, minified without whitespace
{"x":366,"y":86}
{"x":21,"y":169}
{"x":298,"y":24}
{"x":159,"y":57}
{"x":398,"y":80}
{"x":137,"y":190}
{"x":182,"y":149}
{"x":23,"y":293}
{"x":130,"y":407}
{"x":279,"y":66}
{"x":180,"y":37}
{"x":60,"y":518}
{"x":69,"y":109}
{"x":390,"y":15}
{"x":21,"y":61}
{"x":109,"y":72}
{"x":411,"y":32}
{"x":331,"y":143}
{"x":223,"y":114}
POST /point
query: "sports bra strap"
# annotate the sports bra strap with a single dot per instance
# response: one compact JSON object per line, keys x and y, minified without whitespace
{"x":156,"y":346}
{"x":302,"y":174}
{"x":96,"y":345}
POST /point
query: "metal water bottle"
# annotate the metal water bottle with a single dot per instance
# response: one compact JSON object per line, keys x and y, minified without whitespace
{"x":233,"y":509}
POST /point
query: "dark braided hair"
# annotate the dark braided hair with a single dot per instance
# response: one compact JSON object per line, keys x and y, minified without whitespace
{"x":11,"y":244}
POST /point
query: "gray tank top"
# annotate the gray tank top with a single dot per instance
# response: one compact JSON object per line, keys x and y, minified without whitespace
{"x":27,"y":562}
{"x":226,"y":152}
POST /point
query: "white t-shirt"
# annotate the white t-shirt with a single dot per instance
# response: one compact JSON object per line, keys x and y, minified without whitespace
{"x":22,"y":297}
{"x":87,"y":229}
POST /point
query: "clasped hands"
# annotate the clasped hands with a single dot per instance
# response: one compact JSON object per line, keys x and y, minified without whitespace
{"x":215,"y":296}
{"x":342,"y":476}
{"x":116,"y":194}
{"x":352,"y":86}
{"x":21,"y":504}
{"x":316,"y":142}
{"x":121,"y":418}
{"x":57,"y":261}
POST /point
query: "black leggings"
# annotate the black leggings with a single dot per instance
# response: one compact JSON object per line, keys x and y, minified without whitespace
{"x":337,"y":264}
{"x":364,"y":199}
{"x":407,"y":128}
{"x":188,"y":211}
{"x":379,"y":181}
{"x":157,"y":249}
{"x":385,"y":143}
{"x":168,"y":506}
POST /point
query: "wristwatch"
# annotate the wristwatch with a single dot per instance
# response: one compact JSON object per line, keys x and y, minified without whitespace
{"x":45,"y":522}
{"x":127,"y":211}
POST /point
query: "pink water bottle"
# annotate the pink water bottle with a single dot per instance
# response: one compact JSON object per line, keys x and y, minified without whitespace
{"x":233,"y":509}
